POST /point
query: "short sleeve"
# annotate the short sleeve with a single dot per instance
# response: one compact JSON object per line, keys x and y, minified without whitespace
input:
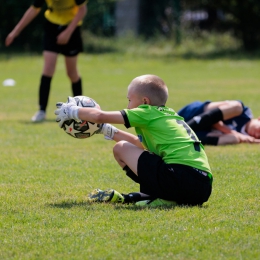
{"x":127,"y":124}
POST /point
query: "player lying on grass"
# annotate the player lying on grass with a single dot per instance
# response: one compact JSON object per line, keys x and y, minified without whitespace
{"x":165,"y":158}
{"x":223,"y":122}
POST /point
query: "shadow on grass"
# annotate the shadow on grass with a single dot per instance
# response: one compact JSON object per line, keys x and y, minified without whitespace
{"x":137,"y":208}
{"x":69,"y":204}
{"x":72,"y":204}
{"x":88,"y":205}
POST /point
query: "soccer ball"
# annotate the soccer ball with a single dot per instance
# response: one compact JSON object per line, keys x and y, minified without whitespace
{"x":84,"y":129}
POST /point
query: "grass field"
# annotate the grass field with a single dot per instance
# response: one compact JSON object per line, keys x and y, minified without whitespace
{"x":46,"y":175}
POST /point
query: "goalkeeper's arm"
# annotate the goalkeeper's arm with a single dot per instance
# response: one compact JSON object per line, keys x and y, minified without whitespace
{"x":110,"y":132}
{"x":70,"y":110}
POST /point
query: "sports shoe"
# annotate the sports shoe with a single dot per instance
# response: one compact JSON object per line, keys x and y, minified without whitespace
{"x":110,"y":195}
{"x":39,"y":116}
{"x":156,"y":203}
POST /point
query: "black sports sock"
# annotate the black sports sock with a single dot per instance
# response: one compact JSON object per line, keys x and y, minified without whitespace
{"x":44,"y":91}
{"x":77,"y":88}
{"x":131,"y":174}
{"x":135,"y":197}
{"x":205,"y":120}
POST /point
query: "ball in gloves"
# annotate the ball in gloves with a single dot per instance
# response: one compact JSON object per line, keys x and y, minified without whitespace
{"x":83,"y":129}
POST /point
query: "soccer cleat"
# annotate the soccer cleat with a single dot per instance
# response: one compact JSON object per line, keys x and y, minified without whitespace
{"x":39,"y":116}
{"x":110,"y":195}
{"x":156,"y":203}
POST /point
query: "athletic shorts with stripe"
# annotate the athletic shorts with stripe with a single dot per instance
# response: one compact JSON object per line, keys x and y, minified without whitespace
{"x":180,"y":183}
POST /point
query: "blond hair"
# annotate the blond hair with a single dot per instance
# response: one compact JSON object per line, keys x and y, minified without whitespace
{"x":152,"y":87}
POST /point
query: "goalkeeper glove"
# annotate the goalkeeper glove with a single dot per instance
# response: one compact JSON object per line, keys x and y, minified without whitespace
{"x":67,"y":111}
{"x":108,"y":131}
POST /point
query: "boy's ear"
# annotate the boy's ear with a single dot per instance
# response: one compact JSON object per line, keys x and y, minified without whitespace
{"x":146,"y":100}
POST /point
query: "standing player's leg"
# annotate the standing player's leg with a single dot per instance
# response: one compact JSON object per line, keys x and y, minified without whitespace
{"x":71,"y":51}
{"x":50,"y":60}
{"x":72,"y":72}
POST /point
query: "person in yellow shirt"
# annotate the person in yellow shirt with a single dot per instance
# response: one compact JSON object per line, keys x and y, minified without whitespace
{"x":61,"y":35}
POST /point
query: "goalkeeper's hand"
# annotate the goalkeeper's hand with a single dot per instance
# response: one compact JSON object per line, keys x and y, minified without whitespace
{"x":67,"y":111}
{"x":108,"y":131}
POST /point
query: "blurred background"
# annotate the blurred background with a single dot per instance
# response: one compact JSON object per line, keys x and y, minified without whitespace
{"x":236,"y":22}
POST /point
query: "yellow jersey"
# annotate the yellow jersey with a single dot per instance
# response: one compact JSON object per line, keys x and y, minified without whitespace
{"x":60,"y":12}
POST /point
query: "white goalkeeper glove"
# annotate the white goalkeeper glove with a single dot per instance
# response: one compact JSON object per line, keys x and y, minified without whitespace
{"x":108,"y":131}
{"x":67,"y":111}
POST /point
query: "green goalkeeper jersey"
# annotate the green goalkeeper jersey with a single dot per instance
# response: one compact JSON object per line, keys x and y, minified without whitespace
{"x":163,"y":132}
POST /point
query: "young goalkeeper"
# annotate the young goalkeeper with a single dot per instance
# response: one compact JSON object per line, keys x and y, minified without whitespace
{"x":165,"y":158}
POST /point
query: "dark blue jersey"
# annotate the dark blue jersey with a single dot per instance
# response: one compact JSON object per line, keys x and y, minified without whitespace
{"x":236,"y":123}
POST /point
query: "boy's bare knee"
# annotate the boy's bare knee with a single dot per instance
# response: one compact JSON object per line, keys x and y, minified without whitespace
{"x":117,"y":149}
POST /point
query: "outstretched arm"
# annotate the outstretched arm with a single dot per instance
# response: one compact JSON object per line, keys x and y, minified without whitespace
{"x":66,"y":111}
{"x":114,"y":117}
{"x":28,"y":16}
{"x":99,"y":116}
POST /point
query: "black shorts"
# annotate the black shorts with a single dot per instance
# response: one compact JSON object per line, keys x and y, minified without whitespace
{"x":176,"y":182}
{"x":72,"y":48}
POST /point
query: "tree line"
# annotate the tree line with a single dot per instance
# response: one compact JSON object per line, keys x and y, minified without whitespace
{"x":165,"y":17}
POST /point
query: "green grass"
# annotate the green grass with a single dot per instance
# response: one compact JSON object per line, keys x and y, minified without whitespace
{"x":46,"y":175}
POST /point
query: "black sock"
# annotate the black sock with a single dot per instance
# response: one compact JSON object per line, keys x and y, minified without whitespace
{"x":135,"y":197}
{"x":44,"y":90}
{"x":205,"y":120}
{"x":77,"y":88}
{"x":131,"y":174}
